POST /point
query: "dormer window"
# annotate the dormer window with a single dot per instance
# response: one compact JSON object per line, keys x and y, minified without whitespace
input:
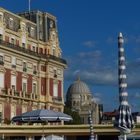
{"x":32,"y":32}
{"x":11,"y":23}
{"x":23,"y":26}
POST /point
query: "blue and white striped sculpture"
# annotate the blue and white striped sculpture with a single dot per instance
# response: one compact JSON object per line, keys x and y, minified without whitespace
{"x":124,"y":121}
{"x":91,"y":126}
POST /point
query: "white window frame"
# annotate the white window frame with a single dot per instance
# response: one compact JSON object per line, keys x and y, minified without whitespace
{"x":11,"y":22}
{"x":23,"y":45}
{"x":32,"y":32}
{"x":55,"y":89}
{"x":24,"y":81}
{"x":1,"y":80}
{"x":13,"y":60}
{"x":13,"y":81}
{"x":34,"y":83}
{"x":34,"y":48}
{"x":12,"y":41}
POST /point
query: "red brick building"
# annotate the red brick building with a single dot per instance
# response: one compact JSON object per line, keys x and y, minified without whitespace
{"x":31,"y":67}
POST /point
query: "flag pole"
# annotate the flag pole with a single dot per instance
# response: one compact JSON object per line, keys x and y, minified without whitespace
{"x":29,"y":5}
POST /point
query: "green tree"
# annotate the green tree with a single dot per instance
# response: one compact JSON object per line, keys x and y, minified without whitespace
{"x":75,"y":116}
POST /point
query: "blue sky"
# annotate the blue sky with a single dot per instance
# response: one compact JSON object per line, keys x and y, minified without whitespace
{"x":88,"y":31}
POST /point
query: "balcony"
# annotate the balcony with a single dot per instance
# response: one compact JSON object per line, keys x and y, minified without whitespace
{"x":32,"y":53}
{"x":3,"y":91}
{"x":34,"y":96}
{"x":57,"y":99}
{"x":13,"y":66}
{"x":57,"y":59}
{"x":15,"y":94}
{"x":27,"y":95}
{"x":25,"y":69}
{"x":34,"y":72}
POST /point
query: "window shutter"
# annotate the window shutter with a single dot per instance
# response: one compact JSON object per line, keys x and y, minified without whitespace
{"x":7,"y":79}
{"x":29,"y":84}
{"x":51,"y":86}
{"x":6,"y":38}
{"x":19,"y":81}
{"x":59,"y":89}
{"x":37,"y":49}
{"x":17,"y":42}
{"x":43,"y":86}
{"x":7,"y":110}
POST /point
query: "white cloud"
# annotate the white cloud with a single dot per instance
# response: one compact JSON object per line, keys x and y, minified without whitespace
{"x":111,"y":40}
{"x":137,"y":95}
{"x":93,"y":54}
{"x":96,"y":99}
{"x":91,"y":69}
{"x":89,"y":43}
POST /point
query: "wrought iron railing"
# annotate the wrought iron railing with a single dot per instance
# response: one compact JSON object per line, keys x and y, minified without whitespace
{"x":57,"y":99}
{"x":16,"y":94}
{"x":30,"y":52}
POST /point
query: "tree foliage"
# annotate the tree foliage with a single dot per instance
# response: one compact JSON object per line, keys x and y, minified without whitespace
{"x":74,"y":115}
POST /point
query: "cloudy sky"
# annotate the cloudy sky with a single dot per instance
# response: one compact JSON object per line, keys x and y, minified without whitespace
{"x":88,"y":31}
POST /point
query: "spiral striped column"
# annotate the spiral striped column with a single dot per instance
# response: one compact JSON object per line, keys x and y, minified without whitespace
{"x":91,"y":126}
{"x":124,"y":120}
{"x":121,"y":72}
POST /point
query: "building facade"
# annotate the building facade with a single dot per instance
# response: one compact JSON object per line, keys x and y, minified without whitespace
{"x":79,"y":98}
{"x":31,"y":67}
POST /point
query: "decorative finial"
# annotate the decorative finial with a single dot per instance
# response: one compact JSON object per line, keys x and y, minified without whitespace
{"x":78,"y":78}
{"x":120,"y":38}
{"x":120,"y":34}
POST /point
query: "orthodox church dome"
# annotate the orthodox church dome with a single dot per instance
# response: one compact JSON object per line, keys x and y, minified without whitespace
{"x":78,"y":87}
